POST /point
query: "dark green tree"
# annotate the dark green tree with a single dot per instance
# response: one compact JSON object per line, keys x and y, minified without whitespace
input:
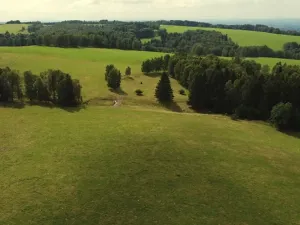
{"x":128,"y":71}
{"x":30,"y":89}
{"x":65,"y":91}
{"x":114,"y":79}
{"x":108,"y":69}
{"x":163,"y":91}
{"x":41,"y":87}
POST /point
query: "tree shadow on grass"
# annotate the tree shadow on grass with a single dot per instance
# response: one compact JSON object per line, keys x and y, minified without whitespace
{"x":128,"y":78}
{"x":74,"y":109}
{"x":172,"y":106}
{"x":293,"y":134}
{"x":13,"y":105}
{"x":49,"y":105}
{"x":153,"y":75}
{"x":118,"y":91}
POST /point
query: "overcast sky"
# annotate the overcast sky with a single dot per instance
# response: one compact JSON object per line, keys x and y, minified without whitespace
{"x":147,"y":9}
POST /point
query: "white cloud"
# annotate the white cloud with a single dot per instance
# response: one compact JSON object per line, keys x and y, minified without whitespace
{"x":146,"y":9}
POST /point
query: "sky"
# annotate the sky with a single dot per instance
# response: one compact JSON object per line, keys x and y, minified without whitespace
{"x":54,"y":10}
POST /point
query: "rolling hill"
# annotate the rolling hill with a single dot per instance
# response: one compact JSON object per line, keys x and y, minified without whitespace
{"x":243,"y":37}
{"x":88,"y":65}
{"x":106,"y":165}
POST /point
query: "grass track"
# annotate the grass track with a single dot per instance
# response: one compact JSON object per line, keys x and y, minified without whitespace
{"x":244,"y":38}
{"x":128,"y":166}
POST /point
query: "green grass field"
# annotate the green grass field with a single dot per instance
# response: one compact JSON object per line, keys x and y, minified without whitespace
{"x":145,"y":40}
{"x":106,"y":165}
{"x":138,"y":163}
{"x":244,"y":38}
{"x":13,"y":28}
{"x":88,"y":65}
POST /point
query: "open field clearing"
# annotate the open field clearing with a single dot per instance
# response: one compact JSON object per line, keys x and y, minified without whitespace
{"x":243,"y":37}
{"x":106,"y":165}
{"x":13,"y":28}
{"x":88,"y":65}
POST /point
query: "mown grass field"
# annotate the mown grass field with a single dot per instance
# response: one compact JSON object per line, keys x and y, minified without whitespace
{"x":88,"y":65}
{"x":13,"y":28}
{"x":244,"y":38}
{"x":106,"y":165}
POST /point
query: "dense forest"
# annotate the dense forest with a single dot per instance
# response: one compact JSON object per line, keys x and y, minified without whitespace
{"x":52,"y":86}
{"x":241,"y":88}
{"x":128,"y":36}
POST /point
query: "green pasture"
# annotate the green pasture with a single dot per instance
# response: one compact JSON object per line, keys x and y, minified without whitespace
{"x":243,"y":37}
{"x":107,"y":165}
{"x":13,"y":28}
{"x":88,"y":65}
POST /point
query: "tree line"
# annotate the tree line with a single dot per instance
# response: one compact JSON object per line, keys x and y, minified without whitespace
{"x":52,"y":86}
{"x":241,"y":88}
{"x":250,"y":27}
{"x":128,"y":35}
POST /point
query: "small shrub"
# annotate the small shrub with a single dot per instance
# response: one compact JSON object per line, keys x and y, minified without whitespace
{"x":139,"y":92}
{"x":182,"y":92}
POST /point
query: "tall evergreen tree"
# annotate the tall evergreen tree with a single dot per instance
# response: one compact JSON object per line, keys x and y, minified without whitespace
{"x":164,"y":92}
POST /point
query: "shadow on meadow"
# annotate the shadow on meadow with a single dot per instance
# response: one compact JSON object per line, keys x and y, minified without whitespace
{"x":172,"y":106}
{"x":23,"y":104}
{"x":118,"y":91}
{"x":293,"y":134}
{"x":153,"y":75}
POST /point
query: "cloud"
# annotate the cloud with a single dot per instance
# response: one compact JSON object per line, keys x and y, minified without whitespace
{"x":147,"y":9}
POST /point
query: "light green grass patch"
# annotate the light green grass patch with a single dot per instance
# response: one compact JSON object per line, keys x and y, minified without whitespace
{"x":243,"y":37}
{"x":106,"y":165}
{"x":146,"y":40}
{"x":13,"y":28}
{"x":88,"y":65}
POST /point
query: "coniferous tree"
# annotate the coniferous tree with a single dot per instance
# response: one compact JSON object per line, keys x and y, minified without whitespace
{"x":114,"y":79}
{"x":128,"y":71}
{"x":164,"y":92}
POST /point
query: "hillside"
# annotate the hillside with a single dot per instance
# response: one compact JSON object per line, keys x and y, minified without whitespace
{"x":243,"y":37}
{"x":13,"y":28}
{"x":106,"y":165}
{"x":88,"y":65}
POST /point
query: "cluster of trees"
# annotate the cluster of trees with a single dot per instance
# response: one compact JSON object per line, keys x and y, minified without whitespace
{"x":200,"y":41}
{"x":50,"y":86}
{"x":35,"y":26}
{"x":291,"y":50}
{"x":257,"y":27}
{"x":155,"y":64}
{"x":14,"y":22}
{"x":127,"y":35}
{"x":241,"y":88}
{"x":105,"y":40}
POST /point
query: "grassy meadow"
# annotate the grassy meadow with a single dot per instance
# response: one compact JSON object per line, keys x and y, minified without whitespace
{"x":145,"y":40}
{"x":243,"y":37}
{"x":106,"y":165}
{"x":13,"y":28}
{"x":88,"y":65}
